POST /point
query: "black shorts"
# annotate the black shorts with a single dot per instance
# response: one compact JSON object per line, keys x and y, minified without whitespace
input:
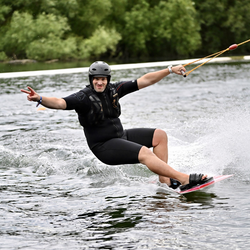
{"x":124,"y":150}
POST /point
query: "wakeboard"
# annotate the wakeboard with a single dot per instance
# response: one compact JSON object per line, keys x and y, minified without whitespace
{"x":205,"y":185}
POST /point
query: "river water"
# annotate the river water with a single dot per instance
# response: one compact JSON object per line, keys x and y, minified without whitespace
{"x":56,"y":195}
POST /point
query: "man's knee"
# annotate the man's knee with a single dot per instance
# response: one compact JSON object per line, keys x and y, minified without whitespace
{"x":144,"y":154}
{"x":160,"y":136}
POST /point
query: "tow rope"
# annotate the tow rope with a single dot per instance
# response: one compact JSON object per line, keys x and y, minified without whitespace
{"x":232,"y":47}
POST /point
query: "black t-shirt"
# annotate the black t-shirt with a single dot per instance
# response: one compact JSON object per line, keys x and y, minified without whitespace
{"x":111,"y":127}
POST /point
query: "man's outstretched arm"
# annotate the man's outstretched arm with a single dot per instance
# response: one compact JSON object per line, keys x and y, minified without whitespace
{"x":154,"y":77}
{"x":49,"y":102}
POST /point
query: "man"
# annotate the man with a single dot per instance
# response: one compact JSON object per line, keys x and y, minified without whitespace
{"x":98,"y":109}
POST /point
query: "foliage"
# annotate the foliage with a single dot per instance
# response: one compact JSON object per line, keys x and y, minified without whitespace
{"x":87,"y":29}
{"x":158,"y":27}
{"x":238,"y":22}
{"x":99,"y":43}
{"x":223,"y":23}
{"x":39,"y":38}
{"x":178,"y":25}
{"x":3,"y":56}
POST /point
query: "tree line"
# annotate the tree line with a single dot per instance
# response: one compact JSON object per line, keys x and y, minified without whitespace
{"x":121,"y":29}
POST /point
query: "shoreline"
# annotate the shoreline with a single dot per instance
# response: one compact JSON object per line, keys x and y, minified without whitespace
{"x":122,"y":66}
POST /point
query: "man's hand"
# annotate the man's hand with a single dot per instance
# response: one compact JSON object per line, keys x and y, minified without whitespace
{"x":32,"y":95}
{"x":48,"y":102}
{"x":178,"y":69}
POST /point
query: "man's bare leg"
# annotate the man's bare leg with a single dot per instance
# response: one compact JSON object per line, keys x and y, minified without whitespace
{"x":160,"y":167}
{"x":156,"y":161}
{"x":160,"y":144}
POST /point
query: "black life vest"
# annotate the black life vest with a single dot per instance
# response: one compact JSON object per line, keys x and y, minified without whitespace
{"x":96,"y":113}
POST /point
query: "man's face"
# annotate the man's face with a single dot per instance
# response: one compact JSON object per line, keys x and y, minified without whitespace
{"x":100,"y":83}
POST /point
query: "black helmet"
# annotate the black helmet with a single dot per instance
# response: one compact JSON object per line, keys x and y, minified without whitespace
{"x":99,"y":68}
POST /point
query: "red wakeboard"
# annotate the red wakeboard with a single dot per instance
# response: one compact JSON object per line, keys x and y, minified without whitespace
{"x":205,"y":185}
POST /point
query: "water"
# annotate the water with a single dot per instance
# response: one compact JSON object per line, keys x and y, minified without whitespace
{"x":56,"y":195}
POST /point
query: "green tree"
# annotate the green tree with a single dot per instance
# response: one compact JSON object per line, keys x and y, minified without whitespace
{"x":238,"y":22}
{"x":19,"y":33}
{"x":177,"y":26}
{"x":47,"y":29}
{"x":84,"y":29}
{"x":223,"y":22}
{"x":39,"y":38}
{"x":99,"y":43}
{"x":4,"y":10}
{"x":160,"y":27}
{"x":84,"y":16}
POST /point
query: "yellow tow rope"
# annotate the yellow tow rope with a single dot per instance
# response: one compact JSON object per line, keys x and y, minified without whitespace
{"x":232,"y":47}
